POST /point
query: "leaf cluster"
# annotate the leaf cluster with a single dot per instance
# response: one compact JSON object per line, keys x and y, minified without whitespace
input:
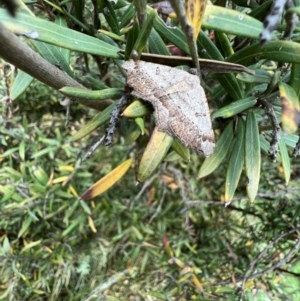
{"x":169,"y":241}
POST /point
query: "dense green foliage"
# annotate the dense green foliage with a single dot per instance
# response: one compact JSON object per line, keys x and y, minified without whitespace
{"x":169,"y":238}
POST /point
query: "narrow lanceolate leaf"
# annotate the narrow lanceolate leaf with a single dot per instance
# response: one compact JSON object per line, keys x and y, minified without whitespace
{"x":142,"y":39}
{"x":261,"y":76}
{"x":154,"y":153}
{"x":220,"y":152}
{"x":223,"y":43}
{"x":295,"y":78}
{"x":141,"y":124}
{"x":234,"y":108}
{"x":132,"y":36}
{"x":236,"y":163}
{"x":285,"y":159}
{"x":195,"y":12}
{"x":21,"y":83}
{"x":181,"y":150}
{"x":61,"y":21}
{"x":231,"y":21}
{"x":57,"y":35}
{"x":111,"y":17}
{"x":172,"y":34}
{"x":106,"y":182}
{"x":98,"y":120}
{"x":137,"y":108}
{"x":92,"y":95}
{"x":290,"y":108}
{"x":157,"y":44}
{"x":252,"y":155}
{"x":279,"y":51}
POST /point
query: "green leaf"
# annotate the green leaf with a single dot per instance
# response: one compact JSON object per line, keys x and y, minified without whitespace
{"x":22,"y":149}
{"x":172,"y":34}
{"x":236,"y":162}
{"x":57,"y":35}
{"x":209,"y":50}
{"x":111,"y":18}
{"x":94,"y":83}
{"x":156,"y":44}
{"x":295,"y":78}
{"x":231,"y":85}
{"x":280,"y":51}
{"x":132,"y":38}
{"x":235,"y":108}
{"x":130,"y":130}
{"x":285,"y":159}
{"x":154,"y":153}
{"x":181,"y":150}
{"x":137,"y":108}
{"x":142,"y":39}
{"x":25,"y":225}
{"x":223,"y":43}
{"x":61,"y":21}
{"x":98,"y":120}
{"x":260,"y":11}
{"x":128,"y":14}
{"x":140,"y":123}
{"x":231,"y":21}
{"x":220,"y":152}
{"x":252,"y":155}
{"x":261,"y":76}
{"x":92,"y":95}
{"x":21,"y":83}
{"x":7,"y":192}
{"x":53,"y":55}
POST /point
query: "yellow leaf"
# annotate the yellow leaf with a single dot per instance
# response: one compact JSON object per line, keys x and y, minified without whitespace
{"x":154,"y":153}
{"x":106,"y":182}
{"x":197,"y":282}
{"x":73,"y":191}
{"x":92,"y":225}
{"x":66,"y":168}
{"x":290,"y":108}
{"x":59,"y":179}
{"x":195,"y":12}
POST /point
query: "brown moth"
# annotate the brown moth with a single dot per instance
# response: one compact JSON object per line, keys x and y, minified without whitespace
{"x":179,"y":101}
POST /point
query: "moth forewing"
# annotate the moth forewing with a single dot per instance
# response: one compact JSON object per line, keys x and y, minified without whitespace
{"x":179,"y":102}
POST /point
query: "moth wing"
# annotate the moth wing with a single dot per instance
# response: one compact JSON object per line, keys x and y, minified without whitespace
{"x":191,"y":122}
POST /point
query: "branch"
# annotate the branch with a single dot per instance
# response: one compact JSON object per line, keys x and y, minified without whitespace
{"x":23,"y":57}
{"x":276,"y":265}
{"x":189,"y":33}
{"x":273,"y":151}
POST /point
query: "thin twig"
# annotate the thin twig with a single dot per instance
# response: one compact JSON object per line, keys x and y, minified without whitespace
{"x":274,"y":150}
{"x":273,"y":267}
{"x":189,"y":33}
{"x":158,"y":209}
{"x":145,"y":186}
{"x":112,"y":280}
{"x":114,"y":118}
{"x":93,"y":148}
{"x":297,"y":148}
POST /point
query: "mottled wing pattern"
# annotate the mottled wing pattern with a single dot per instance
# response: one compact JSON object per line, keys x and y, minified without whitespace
{"x":179,"y":101}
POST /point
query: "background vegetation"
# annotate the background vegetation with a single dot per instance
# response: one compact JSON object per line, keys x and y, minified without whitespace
{"x":170,"y":237}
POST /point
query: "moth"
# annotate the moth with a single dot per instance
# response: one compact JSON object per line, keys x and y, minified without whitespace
{"x":179,"y":101}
